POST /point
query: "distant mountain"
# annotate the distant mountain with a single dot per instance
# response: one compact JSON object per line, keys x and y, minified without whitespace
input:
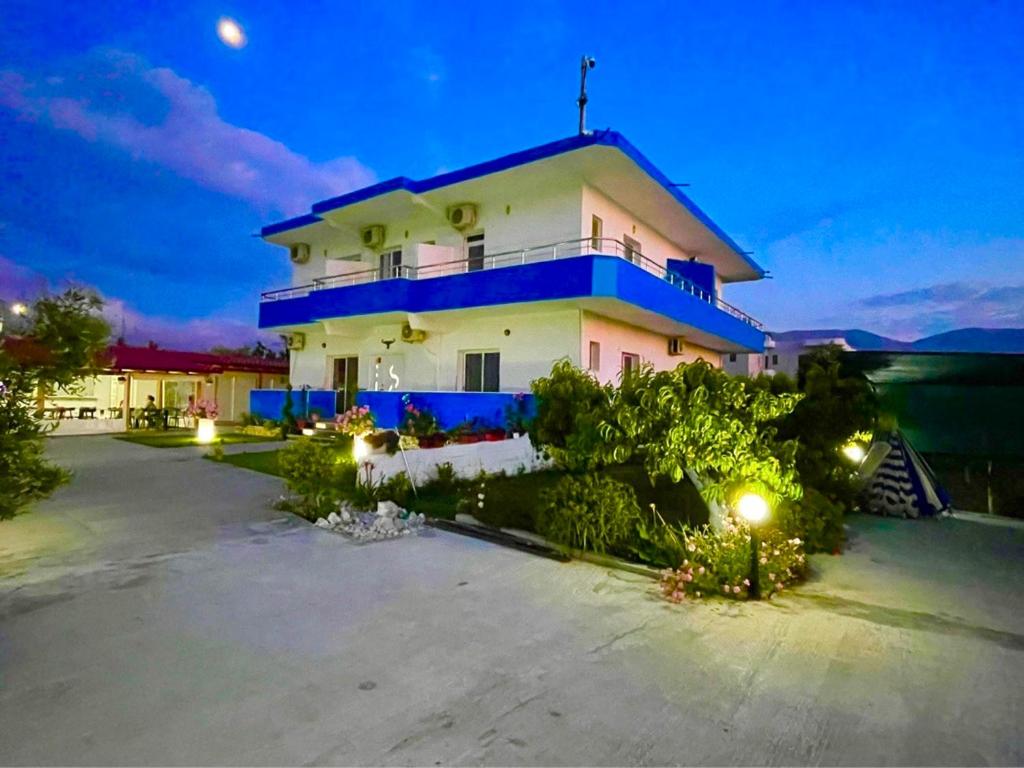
{"x":1000,"y":340}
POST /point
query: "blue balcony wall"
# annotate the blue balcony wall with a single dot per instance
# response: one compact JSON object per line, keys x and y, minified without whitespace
{"x":580,"y":277}
{"x":450,"y":408}
{"x":269,"y":403}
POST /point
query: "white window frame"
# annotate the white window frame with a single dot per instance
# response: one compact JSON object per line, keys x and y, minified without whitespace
{"x":594,"y":356}
{"x":460,"y":379}
{"x":632,"y":356}
{"x":596,"y":231}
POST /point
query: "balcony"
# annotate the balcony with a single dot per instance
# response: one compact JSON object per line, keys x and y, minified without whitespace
{"x":592,"y":271}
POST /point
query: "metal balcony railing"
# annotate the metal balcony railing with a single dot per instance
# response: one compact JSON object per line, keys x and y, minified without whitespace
{"x":588,"y":246}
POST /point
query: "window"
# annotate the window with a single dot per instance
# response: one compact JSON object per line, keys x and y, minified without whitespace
{"x":391,"y":264}
{"x":630,"y":363}
{"x":732,"y":357}
{"x":481,"y":372}
{"x":633,"y":253}
{"x":475,"y":252}
{"x":594,"y":363}
{"x":775,"y":359}
{"x":766,"y":364}
{"x":346,"y":382}
{"x":596,"y":232}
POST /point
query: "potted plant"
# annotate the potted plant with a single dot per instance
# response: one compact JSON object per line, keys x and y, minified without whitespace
{"x":516,"y":420}
{"x":417,"y":422}
{"x":357,"y":421}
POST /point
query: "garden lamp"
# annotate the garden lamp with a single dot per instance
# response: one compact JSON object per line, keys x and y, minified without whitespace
{"x":754,"y":509}
{"x":17,"y":308}
{"x":854,"y":452}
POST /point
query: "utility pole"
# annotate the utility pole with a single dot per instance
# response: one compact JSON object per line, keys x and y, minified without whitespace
{"x":587,"y":62}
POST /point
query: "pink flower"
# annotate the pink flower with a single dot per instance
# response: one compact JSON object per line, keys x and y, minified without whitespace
{"x":701,"y":570}
{"x":725,"y":588}
{"x":746,"y":582}
{"x":687,"y":577}
{"x":779,"y":586}
{"x":735,"y":590}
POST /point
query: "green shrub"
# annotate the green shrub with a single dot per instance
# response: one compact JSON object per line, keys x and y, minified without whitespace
{"x":719,"y":563}
{"x":570,"y":407}
{"x":317,"y":474}
{"x":397,"y":489}
{"x":815,"y":519}
{"x":588,"y":512}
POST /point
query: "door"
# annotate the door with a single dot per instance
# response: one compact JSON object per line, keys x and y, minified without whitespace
{"x":391,"y":264}
{"x":633,"y":254}
{"x":346,"y":382}
{"x":475,"y":252}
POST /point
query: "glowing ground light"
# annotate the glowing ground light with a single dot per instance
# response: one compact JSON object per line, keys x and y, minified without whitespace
{"x":206,"y":432}
{"x":18,"y":308}
{"x":752,"y":508}
{"x":360,"y":450}
{"x":854,"y":452}
{"x":230,"y":33}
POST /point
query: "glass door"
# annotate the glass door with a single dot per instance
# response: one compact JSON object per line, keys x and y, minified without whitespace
{"x":346,"y":382}
{"x":475,"y":252}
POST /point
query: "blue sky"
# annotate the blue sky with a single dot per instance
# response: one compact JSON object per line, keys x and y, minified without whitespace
{"x":870,"y":154}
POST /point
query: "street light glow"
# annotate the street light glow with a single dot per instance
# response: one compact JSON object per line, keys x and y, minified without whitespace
{"x":752,"y":508}
{"x":17,"y":308}
{"x":230,"y":33}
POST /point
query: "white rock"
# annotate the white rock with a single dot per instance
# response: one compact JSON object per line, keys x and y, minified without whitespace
{"x":321,"y":523}
{"x":388,"y":509}
{"x":333,"y":518}
{"x":346,"y":516}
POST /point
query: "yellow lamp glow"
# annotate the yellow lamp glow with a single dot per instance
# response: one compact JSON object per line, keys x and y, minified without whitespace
{"x":854,"y":452}
{"x":360,"y":449}
{"x":752,"y":508}
{"x":230,"y":33}
{"x":17,"y":308}
{"x":206,"y":431}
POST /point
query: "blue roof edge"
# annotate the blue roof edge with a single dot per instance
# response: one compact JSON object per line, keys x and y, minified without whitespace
{"x":608,"y":138}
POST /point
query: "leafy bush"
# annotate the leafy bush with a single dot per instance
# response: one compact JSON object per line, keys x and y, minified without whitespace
{"x":445,"y":482}
{"x":570,"y":407}
{"x":588,"y":512}
{"x":317,"y":474}
{"x":719,"y":564}
{"x":397,"y":489}
{"x":815,"y":519}
{"x":58,"y":343}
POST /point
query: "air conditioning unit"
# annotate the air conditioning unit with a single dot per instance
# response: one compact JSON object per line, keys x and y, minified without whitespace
{"x":462,"y":216}
{"x":412,"y":335}
{"x":296,"y":341}
{"x":372,"y":236}
{"x":299,"y":253}
{"x":676,"y":346}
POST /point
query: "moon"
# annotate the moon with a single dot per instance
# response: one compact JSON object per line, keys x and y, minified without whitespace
{"x":231,"y":33}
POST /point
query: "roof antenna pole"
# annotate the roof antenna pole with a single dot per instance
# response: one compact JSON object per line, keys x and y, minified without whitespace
{"x":587,"y":62}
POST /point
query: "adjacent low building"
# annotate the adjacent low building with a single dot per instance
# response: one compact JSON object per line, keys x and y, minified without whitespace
{"x":476,"y":281}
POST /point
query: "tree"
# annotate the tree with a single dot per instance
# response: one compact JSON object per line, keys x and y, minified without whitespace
{"x":59,"y":342}
{"x":699,"y":418}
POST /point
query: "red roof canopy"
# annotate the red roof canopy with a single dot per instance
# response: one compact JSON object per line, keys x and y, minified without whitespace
{"x":121,"y":357}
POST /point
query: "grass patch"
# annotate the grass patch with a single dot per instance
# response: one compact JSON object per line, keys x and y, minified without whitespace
{"x":181,"y":438}
{"x":257,"y":461}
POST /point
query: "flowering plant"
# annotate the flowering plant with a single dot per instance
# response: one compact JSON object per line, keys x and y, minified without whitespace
{"x":356,"y":421}
{"x":203,"y":409}
{"x":719,"y":563}
{"x":418,"y":421}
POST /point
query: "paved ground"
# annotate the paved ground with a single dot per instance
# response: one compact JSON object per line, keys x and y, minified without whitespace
{"x":157,"y":611}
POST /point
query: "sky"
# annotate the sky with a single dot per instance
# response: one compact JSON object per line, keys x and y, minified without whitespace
{"x":870,"y":154}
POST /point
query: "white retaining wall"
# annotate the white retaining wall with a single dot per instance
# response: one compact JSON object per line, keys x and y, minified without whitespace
{"x":468,"y":460}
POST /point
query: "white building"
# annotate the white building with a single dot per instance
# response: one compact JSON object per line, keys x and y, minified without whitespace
{"x":782,"y":353}
{"x":480,"y":279}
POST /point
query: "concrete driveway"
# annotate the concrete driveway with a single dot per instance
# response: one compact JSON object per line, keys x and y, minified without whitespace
{"x":157,"y":611}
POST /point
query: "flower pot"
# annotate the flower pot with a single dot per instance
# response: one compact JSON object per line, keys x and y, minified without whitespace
{"x":494,"y":436}
{"x":467,"y":439}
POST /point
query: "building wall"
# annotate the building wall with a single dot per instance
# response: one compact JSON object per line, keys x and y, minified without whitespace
{"x":534,"y":342}
{"x":619,"y":222}
{"x":616,"y":338}
{"x":510,"y":219}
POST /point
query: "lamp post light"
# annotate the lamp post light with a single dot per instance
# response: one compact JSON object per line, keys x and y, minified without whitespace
{"x":754,"y":509}
{"x":854,"y":452}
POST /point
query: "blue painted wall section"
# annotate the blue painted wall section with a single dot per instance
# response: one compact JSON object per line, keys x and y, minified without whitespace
{"x":701,"y":275}
{"x":269,"y":403}
{"x":450,"y":408}
{"x":582,"y":276}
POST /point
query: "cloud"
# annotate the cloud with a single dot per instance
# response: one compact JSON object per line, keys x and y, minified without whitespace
{"x":153,"y":114}
{"x":24,"y":284}
{"x":941,"y":307}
